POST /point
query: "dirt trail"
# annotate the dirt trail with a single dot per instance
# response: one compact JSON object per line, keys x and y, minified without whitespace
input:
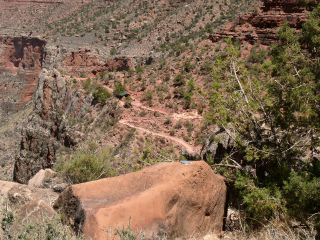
{"x":137,"y":104}
{"x":175,"y":139}
{"x":192,"y":115}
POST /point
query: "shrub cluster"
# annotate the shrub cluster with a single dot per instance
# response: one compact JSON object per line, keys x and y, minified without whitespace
{"x":87,"y":165}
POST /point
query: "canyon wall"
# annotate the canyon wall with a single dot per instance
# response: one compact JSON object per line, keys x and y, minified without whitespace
{"x":47,"y":128}
{"x":20,"y":65}
{"x":262,"y":24}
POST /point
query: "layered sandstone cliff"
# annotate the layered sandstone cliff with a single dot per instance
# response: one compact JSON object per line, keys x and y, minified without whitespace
{"x":20,"y":65}
{"x":263,"y":23}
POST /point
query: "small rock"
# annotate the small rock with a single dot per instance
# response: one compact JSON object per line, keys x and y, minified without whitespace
{"x":42,"y":179}
{"x":60,"y":187}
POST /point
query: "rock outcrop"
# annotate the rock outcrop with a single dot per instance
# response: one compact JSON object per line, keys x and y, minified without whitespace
{"x":48,"y":129}
{"x":20,"y":66}
{"x":182,"y":200}
{"x":262,"y":24}
{"x":82,"y":62}
{"x":217,"y":146}
{"x":36,"y":210}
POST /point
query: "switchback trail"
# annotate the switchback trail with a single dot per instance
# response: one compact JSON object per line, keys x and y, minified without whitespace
{"x":188,"y":147}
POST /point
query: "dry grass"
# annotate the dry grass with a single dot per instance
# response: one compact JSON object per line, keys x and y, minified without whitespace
{"x":275,"y":230}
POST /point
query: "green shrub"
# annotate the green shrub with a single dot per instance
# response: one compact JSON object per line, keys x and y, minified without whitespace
{"x":261,"y":203}
{"x":101,"y":95}
{"x":179,"y":92}
{"x":49,"y":228}
{"x":128,"y":102}
{"x":118,"y":88}
{"x":179,"y":80}
{"x":156,"y":114}
{"x":302,"y":192}
{"x":143,"y":113}
{"x":139,"y":69}
{"x":187,"y":66}
{"x":172,"y":132}
{"x":178,"y":125}
{"x":102,"y":75}
{"x":113,"y":51}
{"x":186,"y":138}
{"x":86,"y":165}
{"x":147,"y":96}
{"x":87,"y":85}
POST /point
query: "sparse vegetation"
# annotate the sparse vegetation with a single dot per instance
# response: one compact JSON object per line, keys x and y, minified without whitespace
{"x":87,"y":165}
{"x":268,"y":100}
{"x":49,"y":228}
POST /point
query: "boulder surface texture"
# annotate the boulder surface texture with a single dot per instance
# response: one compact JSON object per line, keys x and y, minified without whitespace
{"x":182,"y":200}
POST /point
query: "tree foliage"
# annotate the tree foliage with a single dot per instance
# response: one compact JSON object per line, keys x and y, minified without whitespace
{"x":272,"y":116}
{"x":101,"y":95}
{"x":118,"y":88}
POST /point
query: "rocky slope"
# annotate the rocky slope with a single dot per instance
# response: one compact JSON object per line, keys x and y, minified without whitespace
{"x":65,"y":113}
{"x":159,"y":51}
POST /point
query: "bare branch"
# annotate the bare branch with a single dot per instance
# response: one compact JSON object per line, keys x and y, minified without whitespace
{"x":233,"y":68}
{"x":226,"y":165}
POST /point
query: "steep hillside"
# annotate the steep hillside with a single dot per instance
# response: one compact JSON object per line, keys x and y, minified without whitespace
{"x":95,"y":88}
{"x":105,"y":42}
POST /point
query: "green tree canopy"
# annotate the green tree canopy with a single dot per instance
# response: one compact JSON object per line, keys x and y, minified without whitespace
{"x":272,"y":116}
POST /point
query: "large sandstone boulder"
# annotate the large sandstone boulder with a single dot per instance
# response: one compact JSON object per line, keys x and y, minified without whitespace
{"x":182,"y":199}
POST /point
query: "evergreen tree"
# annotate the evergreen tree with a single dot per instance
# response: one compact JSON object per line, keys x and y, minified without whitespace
{"x":272,"y":116}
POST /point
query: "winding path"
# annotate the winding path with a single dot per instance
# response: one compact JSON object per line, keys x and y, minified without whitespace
{"x":188,"y":147}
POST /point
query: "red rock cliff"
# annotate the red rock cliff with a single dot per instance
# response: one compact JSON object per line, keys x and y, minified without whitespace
{"x":20,"y":66}
{"x":262,"y":24}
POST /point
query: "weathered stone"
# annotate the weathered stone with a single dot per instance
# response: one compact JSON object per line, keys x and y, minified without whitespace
{"x":36,"y":209}
{"x":183,"y":200}
{"x":233,"y":220}
{"x":21,"y":194}
{"x":4,"y":189}
{"x":41,"y":137}
{"x":218,"y":145}
{"x":190,"y":155}
{"x":37,"y":214}
{"x":82,"y":62}
{"x":42,"y":179}
{"x":20,"y":65}
{"x":48,"y":179}
{"x":60,"y":187}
